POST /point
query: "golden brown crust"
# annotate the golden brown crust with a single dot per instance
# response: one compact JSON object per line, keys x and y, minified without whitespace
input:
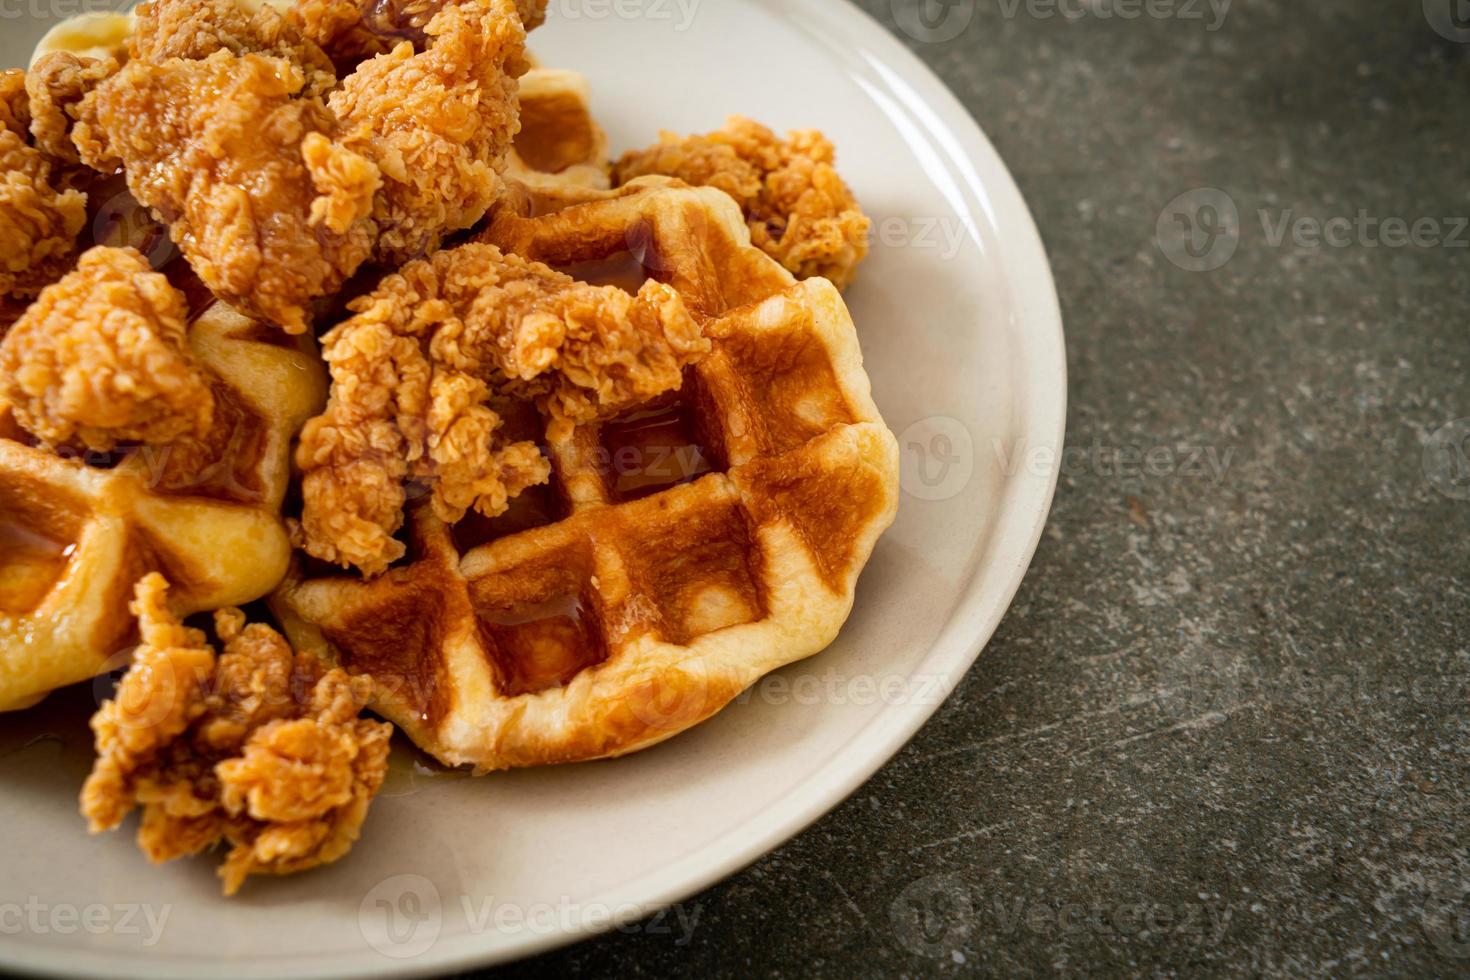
{"x":270,"y":212}
{"x":261,"y":748}
{"x":196,"y":29}
{"x":39,"y":223}
{"x":100,"y":358}
{"x":799,"y":209}
{"x":438,"y":124}
{"x":58,"y":84}
{"x":413,"y":373}
{"x":351,"y":31}
{"x":15,"y":103}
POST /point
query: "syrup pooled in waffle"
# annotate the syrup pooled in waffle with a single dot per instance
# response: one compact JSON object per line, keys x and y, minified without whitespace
{"x":560,"y":154}
{"x":78,"y":530}
{"x":682,"y":550}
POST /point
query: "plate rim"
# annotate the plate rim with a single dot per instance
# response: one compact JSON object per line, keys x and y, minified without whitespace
{"x":960,"y":643}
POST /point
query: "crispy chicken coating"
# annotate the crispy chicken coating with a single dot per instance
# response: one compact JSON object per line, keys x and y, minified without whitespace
{"x":438,"y":124}
{"x":352,"y":31}
{"x":259,"y":747}
{"x":533,"y":13}
{"x":58,"y":83}
{"x":413,"y":371}
{"x":15,"y":103}
{"x":196,"y":29}
{"x":101,"y":358}
{"x":271,"y":212}
{"x":39,"y":223}
{"x":799,"y":210}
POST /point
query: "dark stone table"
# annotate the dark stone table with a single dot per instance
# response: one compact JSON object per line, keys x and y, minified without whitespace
{"x":1224,"y":727}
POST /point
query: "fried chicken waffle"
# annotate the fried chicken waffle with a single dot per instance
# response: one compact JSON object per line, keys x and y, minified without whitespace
{"x":682,"y":550}
{"x":76,"y":532}
{"x":560,"y":155}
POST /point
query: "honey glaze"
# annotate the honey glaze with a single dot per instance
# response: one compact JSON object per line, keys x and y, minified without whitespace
{"x":623,"y":270}
{"x":30,"y":565}
{"x":536,"y":507}
{"x":652,"y":449}
{"x":541,"y":645}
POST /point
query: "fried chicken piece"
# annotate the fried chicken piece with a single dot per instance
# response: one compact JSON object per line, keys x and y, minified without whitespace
{"x":413,"y":371}
{"x":15,"y":103}
{"x":439,"y":124}
{"x":260,"y":747}
{"x":352,"y":31}
{"x":101,"y":358}
{"x":271,"y":212}
{"x":39,"y":222}
{"x":533,"y":13}
{"x":57,"y":84}
{"x":800,"y":211}
{"x":196,"y":29}
{"x":159,"y":698}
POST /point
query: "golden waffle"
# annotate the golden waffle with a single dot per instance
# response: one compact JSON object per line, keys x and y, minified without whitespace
{"x":683,"y":550}
{"x":560,"y":154}
{"x":77,"y":533}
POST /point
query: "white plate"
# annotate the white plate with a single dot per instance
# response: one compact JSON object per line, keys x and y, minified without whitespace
{"x":963,"y":341}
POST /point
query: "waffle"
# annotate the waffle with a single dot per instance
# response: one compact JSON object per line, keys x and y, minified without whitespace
{"x":560,"y":155}
{"x":90,"y":35}
{"x":681,"y":551}
{"x":77,"y":533}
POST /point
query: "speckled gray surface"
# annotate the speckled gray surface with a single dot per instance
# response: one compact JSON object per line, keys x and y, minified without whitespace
{"x":1224,"y":726}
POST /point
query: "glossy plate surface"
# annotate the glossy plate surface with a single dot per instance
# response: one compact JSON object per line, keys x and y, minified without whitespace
{"x":963,"y":341}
